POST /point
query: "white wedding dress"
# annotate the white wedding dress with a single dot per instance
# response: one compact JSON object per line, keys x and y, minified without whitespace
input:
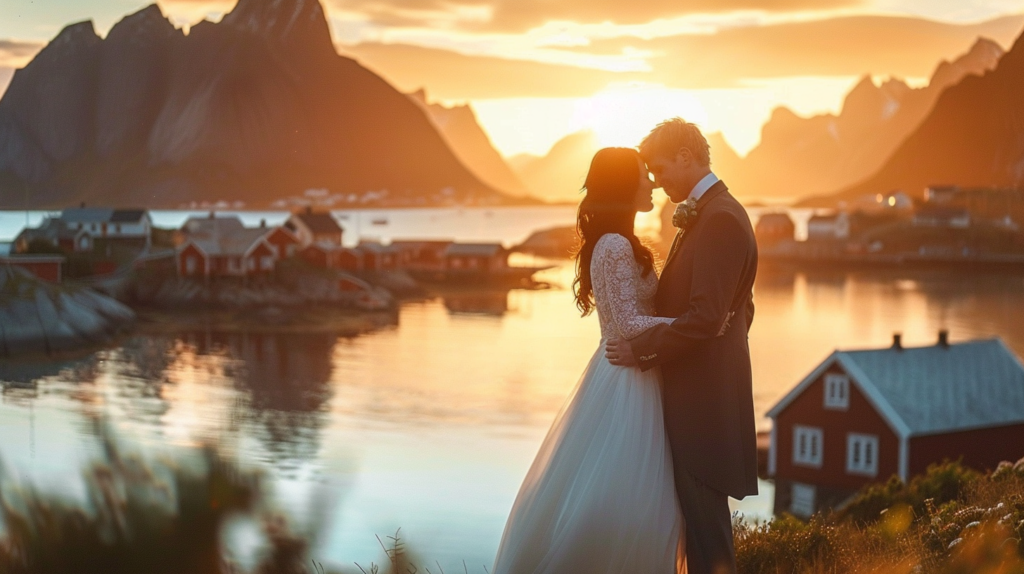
{"x":600,"y":496}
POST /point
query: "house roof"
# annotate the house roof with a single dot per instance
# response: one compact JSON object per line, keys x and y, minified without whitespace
{"x":932,"y":390}
{"x":50,"y":229}
{"x":238,"y":243}
{"x":477,"y":249}
{"x":318,"y":221}
{"x":101,"y":215}
{"x":127,"y":215}
{"x":223,"y":235}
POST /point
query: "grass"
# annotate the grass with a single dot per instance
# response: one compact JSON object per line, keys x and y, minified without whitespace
{"x":950,"y":520}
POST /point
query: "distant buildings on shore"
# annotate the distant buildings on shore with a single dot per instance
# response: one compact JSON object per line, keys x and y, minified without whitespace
{"x":221,"y":246}
{"x":949,"y":223}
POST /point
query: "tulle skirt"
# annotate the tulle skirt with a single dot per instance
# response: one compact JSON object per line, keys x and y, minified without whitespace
{"x":600,"y":496}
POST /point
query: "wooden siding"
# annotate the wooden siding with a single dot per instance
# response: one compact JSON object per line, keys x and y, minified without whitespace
{"x":982,"y":449}
{"x":283,"y":242}
{"x":808,"y":409}
{"x":200,"y":258}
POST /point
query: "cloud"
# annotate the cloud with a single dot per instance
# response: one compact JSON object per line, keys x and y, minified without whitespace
{"x":850,"y":46}
{"x":17,"y":53}
{"x":522,"y":15}
{"x":453,"y":76}
{"x":891,"y":46}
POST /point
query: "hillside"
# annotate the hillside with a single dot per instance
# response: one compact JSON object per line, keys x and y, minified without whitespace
{"x":255,"y":109}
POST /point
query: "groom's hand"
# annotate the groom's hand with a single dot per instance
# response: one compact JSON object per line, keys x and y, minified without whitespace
{"x":619,"y":353}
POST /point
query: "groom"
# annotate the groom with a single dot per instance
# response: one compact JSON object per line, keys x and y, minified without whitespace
{"x":707,"y":396}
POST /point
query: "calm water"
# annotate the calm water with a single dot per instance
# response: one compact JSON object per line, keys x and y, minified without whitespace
{"x":431,"y":422}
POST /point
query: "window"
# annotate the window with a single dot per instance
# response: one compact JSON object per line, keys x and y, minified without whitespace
{"x":837,"y":392}
{"x":807,"y":446}
{"x":191,"y":265}
{"x":862,"y":454}
{"x":802,"y":499}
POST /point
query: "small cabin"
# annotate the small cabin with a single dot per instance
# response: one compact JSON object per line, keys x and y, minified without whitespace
{"x":476,"y":257}
{"x":427,"y":255}
{"x":223,"y":247}
{"x":832,"y":227}
{"x":773,"y":228}
{"x":864,"y":416}
{"x":317,"y":227}
{"x":46,"y":267}
{"x":126,"y":225}
{"x":378,"y":257}
{"x":55,"y":233}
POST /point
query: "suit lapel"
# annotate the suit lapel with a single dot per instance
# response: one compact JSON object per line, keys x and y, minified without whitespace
{"x":677,"y":244}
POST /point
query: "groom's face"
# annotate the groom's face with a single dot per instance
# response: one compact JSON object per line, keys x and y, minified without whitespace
{"x":673,"y":174}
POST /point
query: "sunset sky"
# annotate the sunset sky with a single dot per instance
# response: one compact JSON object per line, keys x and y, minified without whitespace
{"x":536,"y":70}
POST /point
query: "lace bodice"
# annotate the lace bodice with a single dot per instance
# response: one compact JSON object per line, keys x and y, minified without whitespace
{"x":625,"y":298}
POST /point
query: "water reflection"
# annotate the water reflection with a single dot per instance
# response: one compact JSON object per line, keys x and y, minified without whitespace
{"x":480,"y":302}
{"x":431,"y":424}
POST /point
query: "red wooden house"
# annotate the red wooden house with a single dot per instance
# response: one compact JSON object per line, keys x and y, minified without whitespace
{"x":426,"y":255}
{"x":284,"y":242}
{"x":315,"y":227}
{"x":46,"y":267}
{"x":378,"y":257}
{"x":863,"y":416}
{"x":224,"y":247}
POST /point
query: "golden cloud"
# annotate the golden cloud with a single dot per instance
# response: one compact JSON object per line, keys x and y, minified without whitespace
{"x":852,"y":46}
{"x":521,"y":15}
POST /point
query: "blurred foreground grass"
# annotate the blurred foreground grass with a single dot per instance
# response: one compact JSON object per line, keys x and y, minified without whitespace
{"x":163,"y":517}
{"x":951,"y":520}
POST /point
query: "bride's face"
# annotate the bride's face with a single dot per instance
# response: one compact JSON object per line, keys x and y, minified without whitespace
{"x":644,"y":200}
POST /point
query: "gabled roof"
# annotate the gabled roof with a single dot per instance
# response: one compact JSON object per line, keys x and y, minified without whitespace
{"x":318,"y":221}
{"x":931,"y":390}
{"x":101,"y":215}
{"x":209,"y":226}
{"x":50,"y":229}
{"x":223,"y":235}
{"x":127,"y":215}
{"x":475,"y":249}
{"x":239,"y":243}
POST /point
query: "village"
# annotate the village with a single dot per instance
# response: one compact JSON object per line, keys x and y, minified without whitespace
{"x":104,"y":247}
{"x":951,"y":226}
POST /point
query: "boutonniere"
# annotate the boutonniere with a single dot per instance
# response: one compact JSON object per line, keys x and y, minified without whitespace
{"x":685,"y":215}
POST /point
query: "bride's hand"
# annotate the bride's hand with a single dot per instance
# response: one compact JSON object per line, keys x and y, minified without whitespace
{"x":725,"y":326}
{"x":620,"y":353}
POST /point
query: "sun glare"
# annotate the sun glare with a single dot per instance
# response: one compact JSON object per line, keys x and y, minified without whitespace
{"x":623,"y":115}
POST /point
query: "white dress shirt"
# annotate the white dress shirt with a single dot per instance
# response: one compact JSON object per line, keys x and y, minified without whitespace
{"x":703,"y":186}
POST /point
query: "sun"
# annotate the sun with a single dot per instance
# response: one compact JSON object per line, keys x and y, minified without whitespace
{"x":620,"y":116}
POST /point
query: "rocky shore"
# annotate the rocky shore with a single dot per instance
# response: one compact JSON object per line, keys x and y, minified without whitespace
{"x":37,"y":317}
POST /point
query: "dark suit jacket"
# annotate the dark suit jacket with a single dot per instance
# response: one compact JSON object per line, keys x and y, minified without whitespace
{"x":708,"y":400}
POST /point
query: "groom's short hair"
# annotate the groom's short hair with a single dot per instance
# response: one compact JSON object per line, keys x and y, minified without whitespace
{"x":669,"y":136}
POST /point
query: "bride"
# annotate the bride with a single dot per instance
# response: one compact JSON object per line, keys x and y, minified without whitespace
{"x":600,"y":496}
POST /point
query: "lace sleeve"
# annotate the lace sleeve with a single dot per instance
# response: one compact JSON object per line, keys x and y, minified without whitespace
{"x":616,"y":275}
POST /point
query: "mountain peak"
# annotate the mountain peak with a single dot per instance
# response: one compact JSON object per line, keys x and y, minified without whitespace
{"x":144,"y":24}
{"x":291,"y":23}
{"x":982,"y":57}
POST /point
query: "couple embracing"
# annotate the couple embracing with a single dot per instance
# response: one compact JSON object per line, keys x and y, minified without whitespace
{"x":636,"y":471}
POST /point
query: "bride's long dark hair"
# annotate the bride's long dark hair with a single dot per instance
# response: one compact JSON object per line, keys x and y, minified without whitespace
{"x":608,"y":207}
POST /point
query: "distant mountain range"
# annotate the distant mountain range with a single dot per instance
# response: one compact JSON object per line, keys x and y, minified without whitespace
{"x":799,"y":157}
{"x":974,"y":136}
{"x":460,"y":129}
{"x":558,"y":175}
{"x":256,"y":108}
